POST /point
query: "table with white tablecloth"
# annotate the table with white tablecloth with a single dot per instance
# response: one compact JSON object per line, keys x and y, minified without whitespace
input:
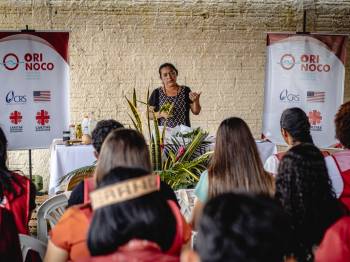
{"x":65,"y":159}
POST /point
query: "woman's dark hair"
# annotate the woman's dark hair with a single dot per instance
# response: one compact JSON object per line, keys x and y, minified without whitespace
{"x":296,"y":123}
{"x":10,"y":249}
{"x":342,"y":125}
{"x":236,"y":165}
{"x":6,"y":179}
{"x":239,"y":227}
{"x":101,"y":131}
{"x":305,"y":192}
{"x":167,"y":65}
{"x":148,"y":217}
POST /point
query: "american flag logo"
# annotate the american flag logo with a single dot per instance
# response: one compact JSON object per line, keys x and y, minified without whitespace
{"x":315,"y":97}
{"x":42,"y":96}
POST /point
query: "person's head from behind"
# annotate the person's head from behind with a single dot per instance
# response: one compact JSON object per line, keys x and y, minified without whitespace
{"x":295,"y":126}
{"x":143,"y":216}
{"x":304,"y":190}
{"x":101,"y":131}
{"x":241,"y":227}
{"x":123,"y":148}
{"x":342,"y":125}
{"x":3,"y":150}
{"x":236,"y":164}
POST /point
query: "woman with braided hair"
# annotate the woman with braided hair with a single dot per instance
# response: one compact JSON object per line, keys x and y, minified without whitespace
{"x":295,"y":129}
{"x":305,"y":192}
{"x":17,"y":193}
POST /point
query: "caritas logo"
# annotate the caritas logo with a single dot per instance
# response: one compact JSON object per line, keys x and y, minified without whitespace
{"x":308,"y":63}
{"x":15,"y":117}
{"x":31,"y":61}
{"x":42,"y":117}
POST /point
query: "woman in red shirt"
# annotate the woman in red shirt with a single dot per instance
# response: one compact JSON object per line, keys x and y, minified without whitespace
{"x":17,"y":193}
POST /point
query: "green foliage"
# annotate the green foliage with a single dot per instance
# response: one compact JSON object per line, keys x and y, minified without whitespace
{"x":179,"y":163}
{"x":76,"y":172}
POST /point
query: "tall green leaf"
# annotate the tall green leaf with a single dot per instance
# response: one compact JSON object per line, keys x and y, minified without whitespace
{"x":156,"y":141}
{"x":134,"y":98}
{"x":136,"y":115}
{"x":148,"y":118}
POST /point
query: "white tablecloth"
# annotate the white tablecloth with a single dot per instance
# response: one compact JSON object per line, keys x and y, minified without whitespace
{"x":65,"y":159}
{"x":266,"y":149}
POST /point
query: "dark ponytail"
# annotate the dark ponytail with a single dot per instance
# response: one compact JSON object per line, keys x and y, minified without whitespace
{"x":296,"y":123}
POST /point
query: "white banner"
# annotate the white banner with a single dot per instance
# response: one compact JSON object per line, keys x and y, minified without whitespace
{"x":34,"y":88}
{"x":305,"y":71}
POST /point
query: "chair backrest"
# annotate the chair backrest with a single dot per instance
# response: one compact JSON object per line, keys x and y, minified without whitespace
{"x":186,"y":198}
{"x":31,"y":243}
{"x":49,"y":213}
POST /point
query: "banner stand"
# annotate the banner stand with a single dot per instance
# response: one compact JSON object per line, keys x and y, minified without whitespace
{"x":304,"y":25}
{"x":30,"y":164}
{"x":27,"y":30}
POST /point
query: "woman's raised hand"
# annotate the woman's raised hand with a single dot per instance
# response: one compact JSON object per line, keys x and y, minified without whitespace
{"x":194,"y":96}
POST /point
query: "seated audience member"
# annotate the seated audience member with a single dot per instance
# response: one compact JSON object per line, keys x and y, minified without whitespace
{"x":240,"y":228}
{"x":305,"y":192}
{"x":338,"y":164}
{"x":99,"y":134}
{"x":141,"y":224}
{"x":123,"y":148}
{"x":295,"y":129}
{"x":235,"y":165}
{"x":335,"y":245}
{"x":10,"y":249}
{"x":17,"y":193}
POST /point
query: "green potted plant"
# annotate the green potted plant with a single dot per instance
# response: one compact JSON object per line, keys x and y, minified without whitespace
{"x":180,"y":162}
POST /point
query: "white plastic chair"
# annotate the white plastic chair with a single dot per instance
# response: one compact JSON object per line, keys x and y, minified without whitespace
{"x":50,"y":212}
{"x":186,"y":198}
{"x":31,"y":243}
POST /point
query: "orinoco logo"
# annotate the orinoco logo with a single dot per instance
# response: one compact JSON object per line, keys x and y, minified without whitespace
{"x":10,"y":61}
{"x":287,"y":61}
{"x":11,"y":98}
{"x":285,"y":96}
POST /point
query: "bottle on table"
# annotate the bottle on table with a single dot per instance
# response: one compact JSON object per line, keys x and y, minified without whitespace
{"x":92,"y":122}
{"x":72,"y":132}
{"x":85,"y":125}
{"x":78,"y":131}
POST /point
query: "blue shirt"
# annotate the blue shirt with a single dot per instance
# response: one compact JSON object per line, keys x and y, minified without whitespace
{"x":202,"y":187}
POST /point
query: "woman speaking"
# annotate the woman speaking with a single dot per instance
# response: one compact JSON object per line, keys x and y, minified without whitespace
{"x":171,"y":103}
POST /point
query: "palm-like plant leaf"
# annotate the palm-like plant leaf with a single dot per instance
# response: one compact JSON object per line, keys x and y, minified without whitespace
{"x":180,"y":162}
{"x":136,"y":115}
{"x":157,"y":154}
{"x":79,"y":171}
{"x":148,"y":120}
{"x":134,"y":98}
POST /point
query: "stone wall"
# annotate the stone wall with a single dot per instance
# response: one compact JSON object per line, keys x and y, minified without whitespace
{"x":218,"y":47}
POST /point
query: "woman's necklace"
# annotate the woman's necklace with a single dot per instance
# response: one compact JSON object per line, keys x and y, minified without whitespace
{"x":177,"y":92}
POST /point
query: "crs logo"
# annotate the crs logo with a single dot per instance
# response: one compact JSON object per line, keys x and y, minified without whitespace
{"x":285,"y":96}
{"x":287,"y":61}
{"x":11,"y":98}
{"x":10,"y":61}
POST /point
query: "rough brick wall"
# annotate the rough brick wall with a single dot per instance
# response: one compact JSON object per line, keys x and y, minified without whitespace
{"x":218,"y":47}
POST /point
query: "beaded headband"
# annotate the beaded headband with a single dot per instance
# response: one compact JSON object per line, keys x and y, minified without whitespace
{"x":129,"y":189}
